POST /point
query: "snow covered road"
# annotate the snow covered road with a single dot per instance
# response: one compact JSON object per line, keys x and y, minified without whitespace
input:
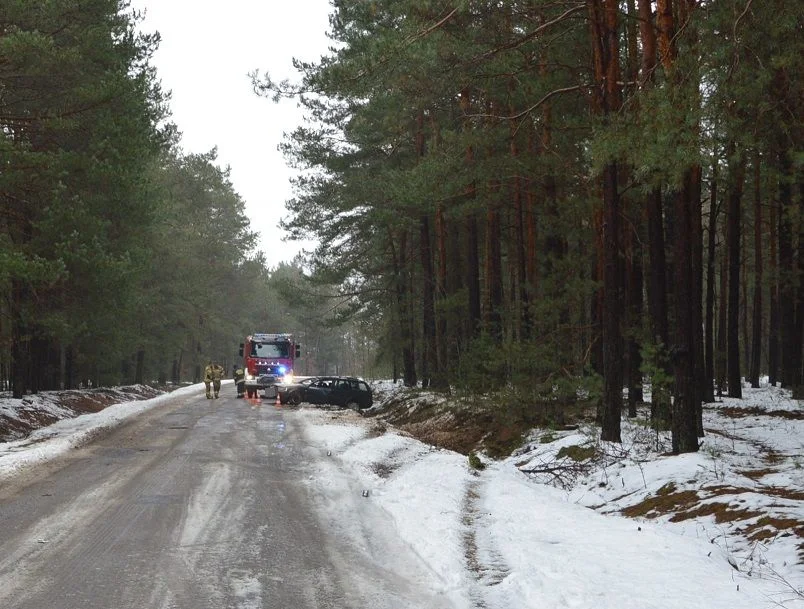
{"x":205,"y":505}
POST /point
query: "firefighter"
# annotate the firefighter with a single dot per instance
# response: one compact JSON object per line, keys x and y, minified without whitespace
{"x":240,"y":381}
{"x":212,"y":376}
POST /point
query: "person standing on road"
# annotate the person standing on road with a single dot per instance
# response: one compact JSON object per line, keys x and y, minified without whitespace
{"x":213,"y":374}
{"x":240,"y":381}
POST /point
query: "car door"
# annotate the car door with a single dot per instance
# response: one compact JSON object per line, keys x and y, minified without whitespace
{"x":341,"y":392}
{"x":319,"y":391}
{"x":364,"y":396}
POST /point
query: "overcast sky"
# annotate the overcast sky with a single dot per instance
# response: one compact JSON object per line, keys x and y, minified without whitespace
{"x":206,"y":53}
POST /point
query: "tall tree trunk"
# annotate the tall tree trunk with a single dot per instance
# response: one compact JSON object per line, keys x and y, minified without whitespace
{"x":685,"y":429}
{"x":429,"y":364}
{"x":612,"y":326}
{"x":471,"y":246}
{"x":473,"y":274}
{"x":139,"y":370}
{"x":714,"y":205}
{"x":657,"y":306}
{"x":721,"y":353}
{"x":20,"y":341}
{"x":694,"y":185}
{"x":756,"y":330}
{"x":787,"y":290}
{"x":493,"y":272}
{"x":442,"y":328}
{"x":604,"y":28}
{"x":524,"y":321}
{"x":773,"y":329}
{"x":402,"y":286}
{"x":634,"y":288}
{"x":736,"y":178}
{"x":798,"y":327}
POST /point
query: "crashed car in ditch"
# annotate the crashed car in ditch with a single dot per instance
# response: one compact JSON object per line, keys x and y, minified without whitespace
{"x":346,"y":391}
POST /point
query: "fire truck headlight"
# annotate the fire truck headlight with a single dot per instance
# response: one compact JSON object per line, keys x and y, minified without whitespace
{"x":249,"y":376}
{"x":288,"y":378}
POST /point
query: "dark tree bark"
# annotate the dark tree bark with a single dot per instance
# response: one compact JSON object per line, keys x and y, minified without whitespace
{"x":604,"y":29}
{"x":657,"y":302}
{"x":524,"y":320}
{"x":473,"y":274}
{"x":402,"y":286}
{"x":736,"y":179}
{"x":20,"y":342}
{"x":472,"y":256}
{"x":685,"y":428}
{"x":493,"y":273}
{"x":694,"y":183}
{"x":441,"y":380}
{"x":798,"y":328}
{"x":612,"y":330}
{"x":429,"y":364}
{"x":634,"y":287}
{"x":428,"y":303}
{"x":139,"y":369}
{"x":756,"y":330}
{"x":787,"y":290}
{"x":773,"y":305}
{"x":714,"y":205}
{"x":721,"y":353}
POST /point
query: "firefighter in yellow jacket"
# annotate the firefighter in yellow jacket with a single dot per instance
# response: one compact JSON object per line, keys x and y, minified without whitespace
{"x":240,"y":381}
{"x":213,"y":374}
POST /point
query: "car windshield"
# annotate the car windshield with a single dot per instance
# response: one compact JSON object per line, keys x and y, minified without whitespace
{"x":269,"y":350}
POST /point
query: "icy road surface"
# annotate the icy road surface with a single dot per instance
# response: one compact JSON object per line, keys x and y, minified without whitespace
{"x":202,"y":504}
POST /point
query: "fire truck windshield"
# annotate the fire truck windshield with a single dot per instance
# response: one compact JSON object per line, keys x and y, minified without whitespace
{"x":271,"y":350}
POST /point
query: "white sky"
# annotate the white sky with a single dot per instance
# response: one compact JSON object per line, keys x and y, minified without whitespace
{"x":207,"y":50}
{"x":535,"y":546}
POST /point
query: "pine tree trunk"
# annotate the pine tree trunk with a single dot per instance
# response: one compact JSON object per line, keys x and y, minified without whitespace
{"x":428,"y":365}
{"x":441,"y":380}
{"x":493,"y":273}
{"x":472,"y":254}
{"x":798,"y":328}
{"x":756,"y":333}
{"x":773,"y":329}
{"x":709,"y":393}
{"x":428,"y":303}
{"x":733,"y":237}
{"x":685,"y":428}
{"x":635,"y":314}
{"x":403,"y":304}
{"x":721,"y":353}
{"x":657,"y":305}
{"x":696,"y":220}
{"x":787,"y":290}
{"x":612,"y":330}
{"x":20,"y":342}
{"x":604,"y":29}
{"x":473,"y":274}
{"x":139,"y":370}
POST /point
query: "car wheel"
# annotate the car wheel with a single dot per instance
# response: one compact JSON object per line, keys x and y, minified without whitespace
{"x":294,"y":399}
{"x":353,"y":404}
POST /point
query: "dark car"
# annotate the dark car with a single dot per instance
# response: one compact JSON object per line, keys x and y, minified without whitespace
{"x":346,"y":391}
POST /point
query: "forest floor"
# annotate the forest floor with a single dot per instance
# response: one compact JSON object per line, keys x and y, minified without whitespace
{"x":743,"y":490}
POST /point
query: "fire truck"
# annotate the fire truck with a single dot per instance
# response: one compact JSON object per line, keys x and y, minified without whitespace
{"x":268,"y":359}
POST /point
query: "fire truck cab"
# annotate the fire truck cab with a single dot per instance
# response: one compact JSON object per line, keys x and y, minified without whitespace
{"x":268,"y":359}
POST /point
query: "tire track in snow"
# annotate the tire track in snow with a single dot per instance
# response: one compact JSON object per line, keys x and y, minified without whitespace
{"x":483,"y":561}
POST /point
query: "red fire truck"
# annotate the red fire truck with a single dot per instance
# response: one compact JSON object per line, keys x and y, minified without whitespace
{"x":268,"y":359}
